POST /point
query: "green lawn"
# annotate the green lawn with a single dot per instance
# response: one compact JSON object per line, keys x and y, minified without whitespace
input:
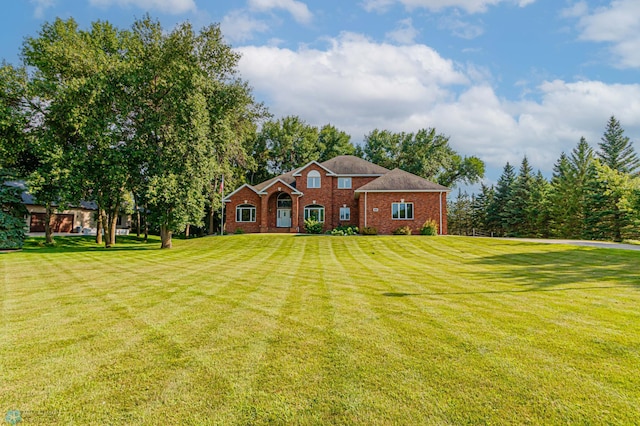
{"x":266,"y":329}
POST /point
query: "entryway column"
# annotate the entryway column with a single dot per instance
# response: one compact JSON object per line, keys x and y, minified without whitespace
{"x":295,"y":226}
{"x":264,"y":213}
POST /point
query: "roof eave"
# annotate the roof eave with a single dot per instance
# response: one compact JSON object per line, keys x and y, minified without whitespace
{"x":299,"y":172}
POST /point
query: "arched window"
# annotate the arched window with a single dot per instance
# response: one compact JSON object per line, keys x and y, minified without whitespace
{"x":314,"y":212}
{"x":284,"y":201}
{"x":313,"y":179}
{"x":245,"y":213}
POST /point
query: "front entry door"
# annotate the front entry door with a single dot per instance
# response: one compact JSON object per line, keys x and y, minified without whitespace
{"x":284,"y":218}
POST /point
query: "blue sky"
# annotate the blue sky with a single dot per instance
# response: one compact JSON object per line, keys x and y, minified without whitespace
{"x":501,"y":78}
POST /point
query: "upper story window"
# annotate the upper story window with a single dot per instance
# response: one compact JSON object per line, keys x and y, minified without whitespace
{"x":344,"y":183}
{"x":245,"y":213}
{"x":313,"y":179}
{"x":402,"y":210}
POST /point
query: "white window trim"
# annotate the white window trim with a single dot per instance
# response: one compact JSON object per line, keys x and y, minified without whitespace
{"x":405,"y":209}
{"x":252,"y":213}
{"x":313,"y":179}
{"x":346,"y":210}
{"x":344,"y":179}
{"x":311,"y":207}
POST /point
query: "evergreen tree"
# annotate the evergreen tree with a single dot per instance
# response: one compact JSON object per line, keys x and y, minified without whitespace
{"x":558,"y":200}
{"x":498,"y":216}
{"x":616,"y":150}
{"x":480,"y":210}
{"x":539,"y":208}
{"x":517,"y":214}
{"x":459,"y":215}
{"x":599,"y":212}
{"x":581,"y":164}
{"x":569,"y":198}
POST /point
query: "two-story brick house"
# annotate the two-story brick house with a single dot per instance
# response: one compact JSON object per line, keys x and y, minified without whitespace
{"x":345,"y":190}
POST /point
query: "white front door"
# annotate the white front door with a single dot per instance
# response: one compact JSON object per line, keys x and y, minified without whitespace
{"x":284,"y":218}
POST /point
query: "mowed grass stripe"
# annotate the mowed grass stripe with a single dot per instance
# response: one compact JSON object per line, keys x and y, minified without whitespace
{"x":261,"y":329}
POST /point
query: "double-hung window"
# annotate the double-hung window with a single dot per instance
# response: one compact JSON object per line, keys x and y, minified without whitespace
{"x":245,"y":213}
{"x":402,"y":210}
{"x":345,"y":213}
{"x":344,"y":183}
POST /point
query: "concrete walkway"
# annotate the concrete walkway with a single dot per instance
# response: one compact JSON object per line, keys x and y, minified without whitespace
{"x":598,"y":244}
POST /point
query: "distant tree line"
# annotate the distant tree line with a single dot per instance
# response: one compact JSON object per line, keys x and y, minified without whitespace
{"x":593,"y":195}
{"x":289,"y":142}
{"x":149,"y":121}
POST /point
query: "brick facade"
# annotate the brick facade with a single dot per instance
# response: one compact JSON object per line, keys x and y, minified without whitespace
{"x":427,"y":204}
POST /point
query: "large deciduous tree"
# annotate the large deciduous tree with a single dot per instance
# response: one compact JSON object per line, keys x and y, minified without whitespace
{"x":424,"y":153}
{"x":76,"y":85}
{"x":289,"y":142}
{"x":189,"y":115}
{"x":158,"y":114}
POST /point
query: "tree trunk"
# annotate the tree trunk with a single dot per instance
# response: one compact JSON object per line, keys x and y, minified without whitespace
{"x":165,"y":236}
{"x":113,"y":226}
{"x":186,"y":231}
{"x":48,"y":216}
{"x":106,"y":221}
{"x":99,"y":227}
{"x":110,"y":230}
{"x":138,"y":222}
{"x":146,"y":224}
{"x":211,"y":224}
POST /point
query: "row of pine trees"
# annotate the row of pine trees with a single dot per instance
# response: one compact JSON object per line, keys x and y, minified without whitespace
{"x":593,"y":195}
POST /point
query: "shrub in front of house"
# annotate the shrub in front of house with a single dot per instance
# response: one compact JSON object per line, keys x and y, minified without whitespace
{"x":12,"y":212}
{"x":345,"y":230}
{"x":403,"y":230}
{"x":430,"y":227}
{"x":369,"y":230}
{"x":239,"y":231}
{"x":312,"y":226}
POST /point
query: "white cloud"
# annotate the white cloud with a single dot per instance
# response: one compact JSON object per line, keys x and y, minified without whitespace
{"x":175,"y":7}
{"x":374,"y":84}
{"x":460,"y":28}
{"x":618,"y":24}
{"x":576,"y":10}
{"x":500,"y":130}
{"x":470,"y":6}
{"x":404,"y":34}
{"x":239,"y":26}
{"x":40,"y":7}
{"x":297,"y":9}
{"x":359,"y":85}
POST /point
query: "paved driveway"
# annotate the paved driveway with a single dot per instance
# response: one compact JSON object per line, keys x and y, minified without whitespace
{"x":599,"y":244}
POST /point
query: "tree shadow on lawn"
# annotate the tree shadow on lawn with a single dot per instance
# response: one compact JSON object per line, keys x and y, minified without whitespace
{"x":556,"y":269}
{"x":580,"y":268}
{"x":76,"y":244}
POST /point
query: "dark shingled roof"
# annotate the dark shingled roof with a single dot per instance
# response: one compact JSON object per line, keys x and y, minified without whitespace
{"x":399,"y":180}
{"x":287,"y":178}
{"x":352,"y":165}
